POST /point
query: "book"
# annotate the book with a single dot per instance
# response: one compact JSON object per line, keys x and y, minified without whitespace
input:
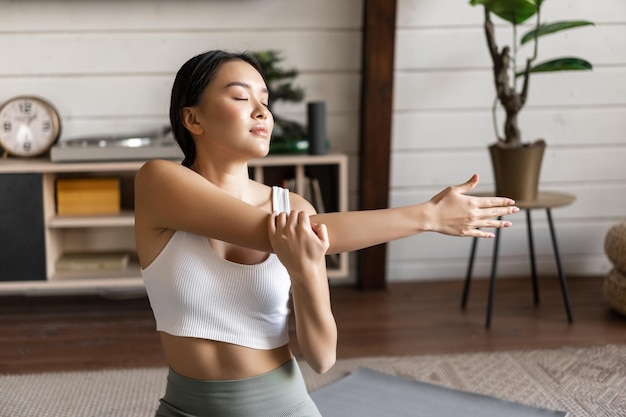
{"x":93,"y":261}
{"x":76,"y":196}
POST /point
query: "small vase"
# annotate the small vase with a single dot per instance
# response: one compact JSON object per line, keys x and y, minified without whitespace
{"x":517,"y":170}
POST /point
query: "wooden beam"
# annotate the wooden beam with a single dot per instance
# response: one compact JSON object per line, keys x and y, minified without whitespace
{"x":379,"y":22}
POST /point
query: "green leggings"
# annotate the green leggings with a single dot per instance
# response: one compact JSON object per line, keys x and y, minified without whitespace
{"x":278,"y":393}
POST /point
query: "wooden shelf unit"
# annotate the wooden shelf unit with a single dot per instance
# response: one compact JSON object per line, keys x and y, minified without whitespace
{"x":115,"y":232}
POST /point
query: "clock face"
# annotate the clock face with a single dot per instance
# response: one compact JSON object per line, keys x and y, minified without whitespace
{"x":29,"y":126}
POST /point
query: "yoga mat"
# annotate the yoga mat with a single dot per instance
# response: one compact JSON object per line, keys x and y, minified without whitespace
{"x":366,"y":392}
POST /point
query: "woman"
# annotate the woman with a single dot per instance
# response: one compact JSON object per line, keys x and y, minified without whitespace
{"x":221,"y":254}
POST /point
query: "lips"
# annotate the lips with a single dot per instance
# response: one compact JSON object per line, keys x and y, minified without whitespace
{"x":259,"y":130}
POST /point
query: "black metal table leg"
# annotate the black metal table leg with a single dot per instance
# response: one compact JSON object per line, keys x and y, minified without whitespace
{"x":492,"y":281}
{"x":531,"y":251}
{"x":557,"y":257}
{"x":468,"y":276}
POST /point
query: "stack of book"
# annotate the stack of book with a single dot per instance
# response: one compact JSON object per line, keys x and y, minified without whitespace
{"x":77,"y":196}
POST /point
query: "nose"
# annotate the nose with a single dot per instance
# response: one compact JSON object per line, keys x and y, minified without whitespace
{"x":261,"y":112}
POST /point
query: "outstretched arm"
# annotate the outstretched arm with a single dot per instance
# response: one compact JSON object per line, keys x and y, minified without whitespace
{"x":170,"y":196}
{"x":450,"y":212}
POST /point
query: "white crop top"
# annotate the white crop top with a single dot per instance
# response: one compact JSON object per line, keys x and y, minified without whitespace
{"x":194,"y":292}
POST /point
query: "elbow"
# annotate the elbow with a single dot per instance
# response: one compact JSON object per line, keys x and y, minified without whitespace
{"x":323,"y":365}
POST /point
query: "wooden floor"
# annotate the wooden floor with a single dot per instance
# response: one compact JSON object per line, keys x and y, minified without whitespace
{"x":88,"y":332}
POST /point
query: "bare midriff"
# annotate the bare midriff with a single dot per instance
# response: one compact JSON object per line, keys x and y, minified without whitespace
{"x":210,"y":360}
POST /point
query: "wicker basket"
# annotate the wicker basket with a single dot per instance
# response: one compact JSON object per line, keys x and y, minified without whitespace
{"x":615,"y":245}
{"x":614,"y":289}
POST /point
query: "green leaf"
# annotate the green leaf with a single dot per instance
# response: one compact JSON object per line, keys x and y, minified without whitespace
{"x":514,"y":11}
{"x":560,"y":64}
{"x":546,"y":29}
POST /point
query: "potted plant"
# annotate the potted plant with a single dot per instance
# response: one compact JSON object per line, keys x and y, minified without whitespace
{"x":510,"y":155}
{"x":288,"y":136}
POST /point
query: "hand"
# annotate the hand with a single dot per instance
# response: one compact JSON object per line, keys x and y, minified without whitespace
{"x":455,"y":213}
{"x":299,"y":245}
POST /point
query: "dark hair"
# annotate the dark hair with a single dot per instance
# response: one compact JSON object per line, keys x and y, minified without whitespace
{"x":191,"y":80}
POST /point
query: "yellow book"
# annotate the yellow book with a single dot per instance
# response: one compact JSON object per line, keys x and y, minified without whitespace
{"x":88,"y":196}
{"x":88,"y":208}
{"x":80,"y":184}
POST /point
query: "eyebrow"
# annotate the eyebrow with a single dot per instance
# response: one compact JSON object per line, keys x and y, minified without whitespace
{"x":244,"y":85}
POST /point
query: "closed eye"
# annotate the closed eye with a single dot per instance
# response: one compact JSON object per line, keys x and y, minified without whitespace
{"x":245,"y":99}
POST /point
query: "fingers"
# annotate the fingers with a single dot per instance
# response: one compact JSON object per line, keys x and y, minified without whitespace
{"x":486,"y":202}
{"x":271,"y":223}
{"x":468,"y":185}
{"x":494,"y":212}
{"x":278,"y":223}
{"x":322,"y":232}
{"x":490,"y":224}
{"x":302,"y":219}
{"x":281,"y":221}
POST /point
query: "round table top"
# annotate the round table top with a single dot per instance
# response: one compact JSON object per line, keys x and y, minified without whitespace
{"x":545,"y":199}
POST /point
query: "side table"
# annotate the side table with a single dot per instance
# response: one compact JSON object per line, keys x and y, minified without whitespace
{"x":545,"y":200}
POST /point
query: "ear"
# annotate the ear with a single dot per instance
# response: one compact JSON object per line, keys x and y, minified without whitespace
{"x":191,"y":122}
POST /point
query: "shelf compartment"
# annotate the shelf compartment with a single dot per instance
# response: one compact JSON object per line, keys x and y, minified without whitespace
{"x":131,"y":272}
{"x":125,"y":218}
{"x":104,"y":286}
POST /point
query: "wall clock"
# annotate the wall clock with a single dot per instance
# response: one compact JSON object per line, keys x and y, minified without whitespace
{"x":29,"y":126}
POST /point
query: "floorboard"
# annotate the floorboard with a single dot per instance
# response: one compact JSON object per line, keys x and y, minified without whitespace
{"x":62,"y":333}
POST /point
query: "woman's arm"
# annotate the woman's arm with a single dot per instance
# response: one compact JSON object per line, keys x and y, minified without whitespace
{"x":302,"y":247}
{"x":450,"y":212}
{"x":170,"y":196}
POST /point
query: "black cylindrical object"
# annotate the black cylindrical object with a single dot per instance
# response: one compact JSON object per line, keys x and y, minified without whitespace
{"x":316,"y":125}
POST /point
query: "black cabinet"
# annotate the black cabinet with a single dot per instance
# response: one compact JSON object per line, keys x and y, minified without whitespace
{"x":22,"y":240}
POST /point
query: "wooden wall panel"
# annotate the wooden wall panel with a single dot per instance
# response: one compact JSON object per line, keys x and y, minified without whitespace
{"x":375,"y":128}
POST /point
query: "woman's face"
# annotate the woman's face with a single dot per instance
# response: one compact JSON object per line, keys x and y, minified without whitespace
{"x":232,"y":114}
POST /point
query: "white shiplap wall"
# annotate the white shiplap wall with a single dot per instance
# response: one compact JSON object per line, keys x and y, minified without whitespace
{"x":442,"y":124}
{"x":108,"y":68}
{"x":108,"y":65}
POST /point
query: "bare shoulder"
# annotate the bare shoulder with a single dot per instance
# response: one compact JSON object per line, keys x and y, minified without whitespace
{"x":161,"y":192}
{"x":298,"y":202}
{"x":160,"y":178}
{"x":157,"y":167}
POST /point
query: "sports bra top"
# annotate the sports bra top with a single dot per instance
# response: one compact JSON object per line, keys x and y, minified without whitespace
{"x":194,"y":292}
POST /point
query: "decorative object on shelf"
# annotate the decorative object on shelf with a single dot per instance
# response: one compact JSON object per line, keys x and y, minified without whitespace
{"x":79,"y":196}
{"x":149,"y":145}
{"x":614,"y":286}
{"x":515,"y":161}
{"x":316,"y":124}
{"x":29,"y":126}
{"x":288,"y":136}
